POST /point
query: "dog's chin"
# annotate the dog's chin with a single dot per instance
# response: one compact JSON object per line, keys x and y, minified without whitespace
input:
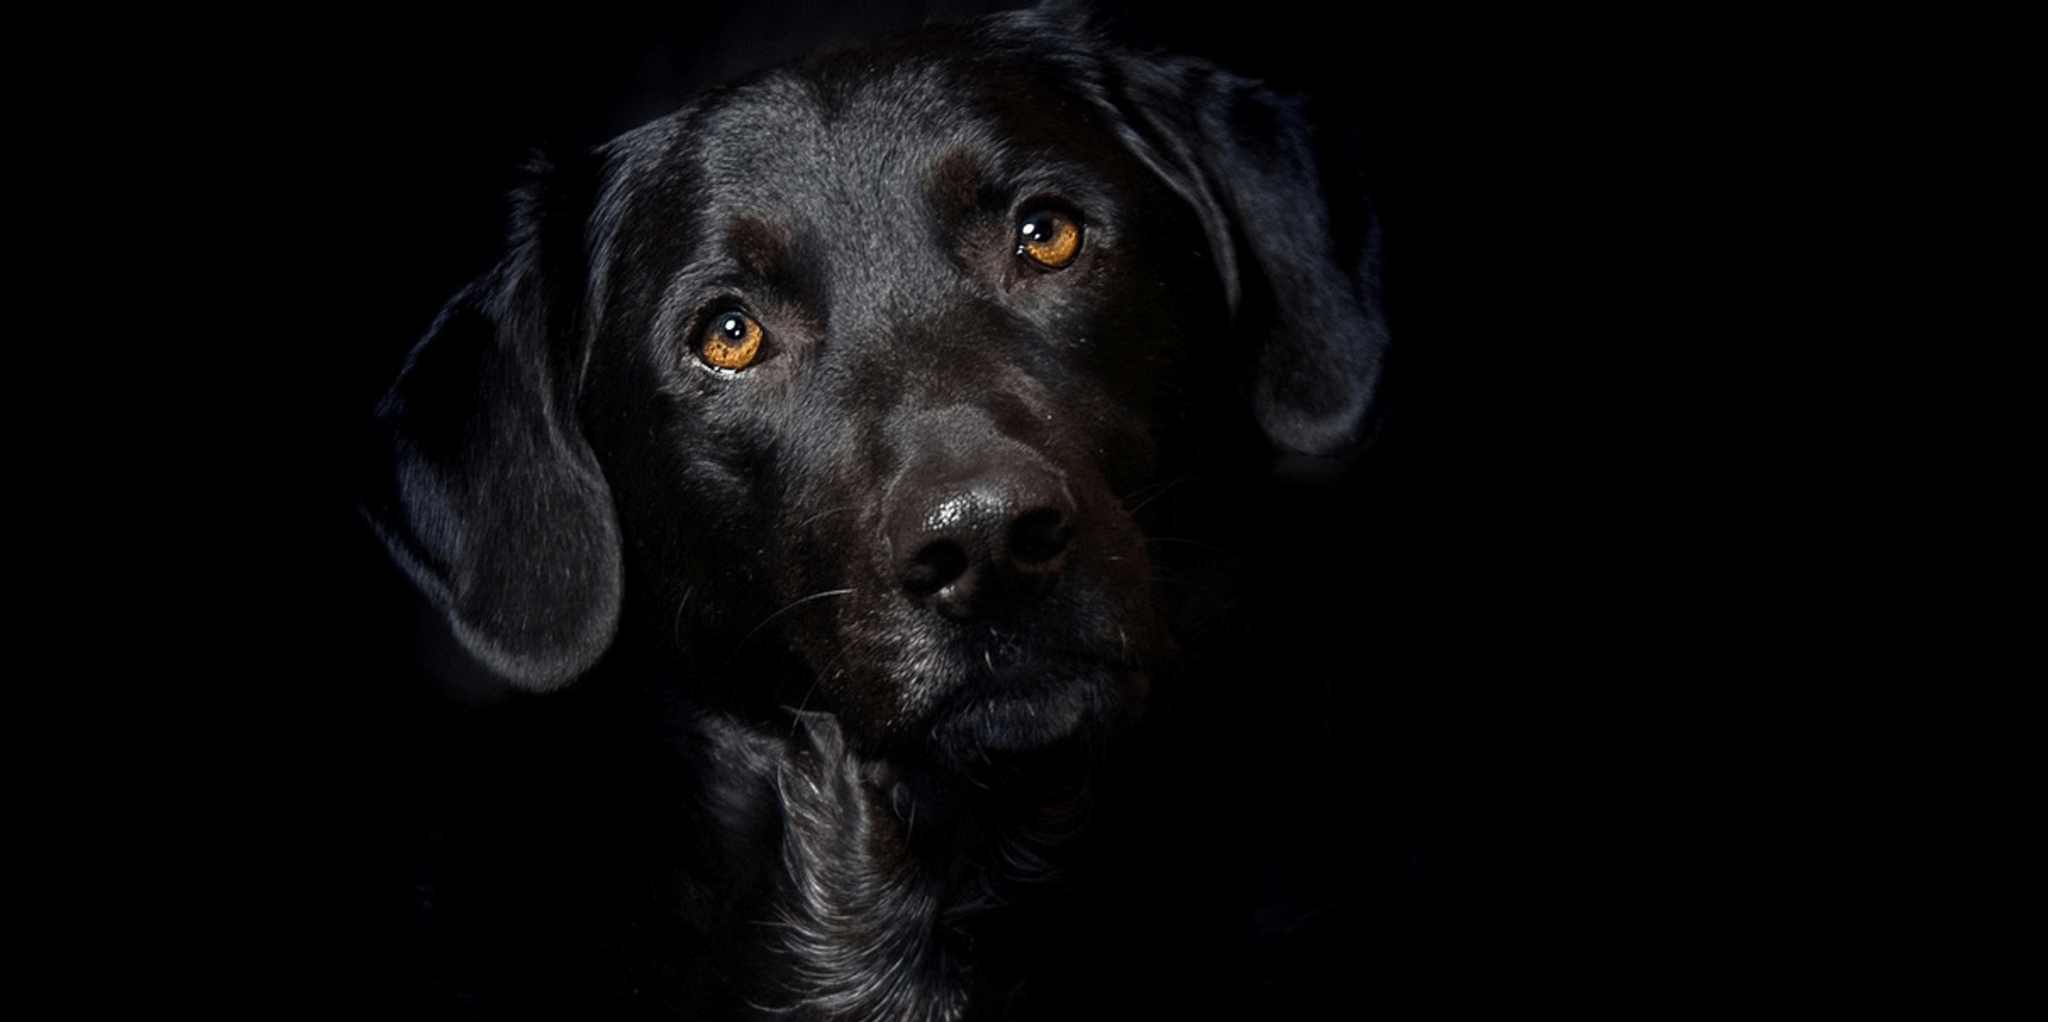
{"x":1029,"y":708}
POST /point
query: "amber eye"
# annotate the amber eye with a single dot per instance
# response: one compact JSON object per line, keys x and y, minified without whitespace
{"x":731,"y":341}
{"x":1049,"y":239}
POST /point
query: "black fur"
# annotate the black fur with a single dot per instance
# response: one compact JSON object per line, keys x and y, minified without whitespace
{"x":884,"y":591}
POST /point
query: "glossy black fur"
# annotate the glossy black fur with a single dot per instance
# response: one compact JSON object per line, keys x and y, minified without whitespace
{"x":885,"y":593}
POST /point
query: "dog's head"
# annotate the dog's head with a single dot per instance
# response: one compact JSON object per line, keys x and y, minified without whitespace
{"x":853,"y":373}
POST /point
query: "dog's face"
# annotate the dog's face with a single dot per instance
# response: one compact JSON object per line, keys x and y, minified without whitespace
{"x":894,"y":371}
{"x":855,"y":372}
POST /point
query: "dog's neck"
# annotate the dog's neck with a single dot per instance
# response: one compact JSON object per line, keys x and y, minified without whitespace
{"x":878,"y":878}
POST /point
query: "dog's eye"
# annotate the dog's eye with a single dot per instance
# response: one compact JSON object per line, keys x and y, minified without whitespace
{"x":731,"y":341}
{"x":1049,"y":239}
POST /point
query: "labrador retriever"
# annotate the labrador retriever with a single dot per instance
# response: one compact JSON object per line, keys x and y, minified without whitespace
{"x":834,"y":410}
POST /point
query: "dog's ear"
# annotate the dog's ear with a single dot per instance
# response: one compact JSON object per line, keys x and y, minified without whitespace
{"x":1290,"y":231}
{"x":494,"y":503}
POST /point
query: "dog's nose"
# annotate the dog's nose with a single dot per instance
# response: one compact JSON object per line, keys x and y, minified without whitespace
{"x":984,"y":543}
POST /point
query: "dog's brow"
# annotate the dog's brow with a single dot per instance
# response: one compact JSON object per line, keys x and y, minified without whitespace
{"x":760,"y":246}
{"x":956,"y":179}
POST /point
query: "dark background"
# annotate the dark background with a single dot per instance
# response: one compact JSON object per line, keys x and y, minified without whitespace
{"x":1423,"y":813}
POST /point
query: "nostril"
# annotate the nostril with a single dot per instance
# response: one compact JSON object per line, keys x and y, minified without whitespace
{"x":979,"y":540}
{"x":934,"y":567}
{"x":1040,"y":536}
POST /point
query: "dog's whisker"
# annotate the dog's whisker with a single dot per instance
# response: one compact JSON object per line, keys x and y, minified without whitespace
{"x":1137,"y":499}
{"x":676,"y":620}
{"x":1170,"y":544}
{"x":830,"y":670}
{"x":784,"y":609}
{"x":826,"y":513}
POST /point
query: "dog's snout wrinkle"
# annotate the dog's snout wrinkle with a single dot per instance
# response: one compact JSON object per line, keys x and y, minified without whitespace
{"x":984,"y":543}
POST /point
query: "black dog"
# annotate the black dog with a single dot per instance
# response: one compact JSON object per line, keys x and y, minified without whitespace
{"x":830,"y":410}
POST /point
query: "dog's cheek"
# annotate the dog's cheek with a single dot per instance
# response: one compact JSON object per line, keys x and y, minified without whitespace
{"x":1143,"y":317}
{"x":843,"y":611}
{"x":681,"y":464}
{"x":1120,"y":406}
{"x":1172,"y":317}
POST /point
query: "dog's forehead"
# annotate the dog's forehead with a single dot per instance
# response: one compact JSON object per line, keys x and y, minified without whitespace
{"x":845,"y":134}
{"x":792,"y":137}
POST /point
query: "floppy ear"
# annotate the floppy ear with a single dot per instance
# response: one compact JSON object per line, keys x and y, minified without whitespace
{"x":1292,"y":236}
{"x":495,"y":505}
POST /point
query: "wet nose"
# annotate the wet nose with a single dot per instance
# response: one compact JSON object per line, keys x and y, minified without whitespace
{"x":983,"y":540}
